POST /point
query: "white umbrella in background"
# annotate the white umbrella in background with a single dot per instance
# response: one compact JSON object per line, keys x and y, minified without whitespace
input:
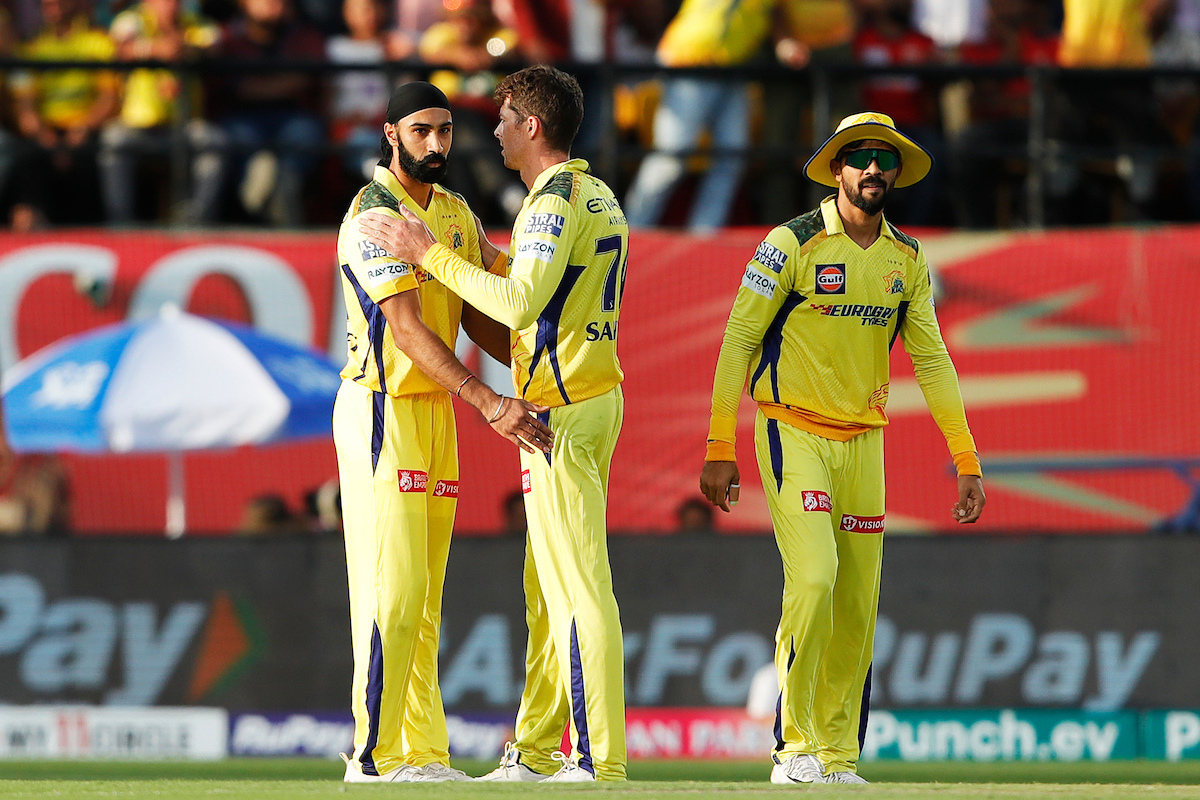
{"x":170,"y":383}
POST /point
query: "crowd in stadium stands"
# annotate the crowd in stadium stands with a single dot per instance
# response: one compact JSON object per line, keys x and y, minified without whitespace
{"x":699,"y":150}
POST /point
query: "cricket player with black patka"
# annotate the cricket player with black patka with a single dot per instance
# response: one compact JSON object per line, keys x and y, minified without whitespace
{"x":821,"y":303}
{"x":394,"y":431}
{"x":562,"y":298}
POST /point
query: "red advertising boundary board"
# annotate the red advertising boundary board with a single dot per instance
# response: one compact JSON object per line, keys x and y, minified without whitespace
{"x":1073,"y":349}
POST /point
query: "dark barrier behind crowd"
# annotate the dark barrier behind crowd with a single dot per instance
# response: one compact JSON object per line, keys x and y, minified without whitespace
{"x":1053,"y":173}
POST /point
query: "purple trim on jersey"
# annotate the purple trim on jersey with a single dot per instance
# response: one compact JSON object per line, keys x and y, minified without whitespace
{"x":547,"y":335}
{"x":376,"y":324}
{"x":374,"y":702}
{"x":901,"y":313}
{"x":579,"y":705}
{"x":775,"y":444}
{"x":772,"y":344}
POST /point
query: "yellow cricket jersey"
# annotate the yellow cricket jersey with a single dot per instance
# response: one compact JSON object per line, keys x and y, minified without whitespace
{"x":1104,"y":33}
{"x":811,"y":329}
{"x":151,"y":95}
{"x":562,"y":296}
{"x":715,"y":32}
{"x":370,"y":275}
{"x":65,"y":97}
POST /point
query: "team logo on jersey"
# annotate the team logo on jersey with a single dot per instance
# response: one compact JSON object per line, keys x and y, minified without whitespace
{"x":412,"y":480}
{"x":856,"y":524}
{"x":894,"y":281}
{"x":370,"y":250}
{"x":816,"y":501}
{"x":831,"y":278}
{"x":455,"y":235}
{"x":770,"y":257}
{"x":445,"y":489}
{"x":545,"y":223}
{"x":758,"y":283}
{"x":526,"y":483}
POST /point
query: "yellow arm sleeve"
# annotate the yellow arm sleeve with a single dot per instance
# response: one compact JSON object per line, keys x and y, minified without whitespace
{"x":535,"y":271}
{"x":758,"y":300}
{"x":936,"y":375}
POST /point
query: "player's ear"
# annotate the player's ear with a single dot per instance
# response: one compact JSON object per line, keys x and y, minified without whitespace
{"x":389,"y":132}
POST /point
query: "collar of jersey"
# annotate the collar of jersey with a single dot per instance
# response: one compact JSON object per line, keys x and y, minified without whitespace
{"x":574,"y":164}
{"x":833,"y":220}
{"x":384,"y":177}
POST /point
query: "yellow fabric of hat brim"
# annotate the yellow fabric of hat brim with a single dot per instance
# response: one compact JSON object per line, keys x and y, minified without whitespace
{"x":915,"y":161}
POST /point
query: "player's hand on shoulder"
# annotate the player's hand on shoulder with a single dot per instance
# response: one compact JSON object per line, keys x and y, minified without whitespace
{"x":721,"y":483}
{"x":970,"y":499}
{"x":406,"y":237}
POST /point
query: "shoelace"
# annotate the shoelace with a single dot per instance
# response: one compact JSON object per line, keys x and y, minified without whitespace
{"x":565,"y":760}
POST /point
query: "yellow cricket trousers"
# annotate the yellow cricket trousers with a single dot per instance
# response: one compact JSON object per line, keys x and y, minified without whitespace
{"x":827,"y":503}
{"x":398,"y":467}
{"x":574,"y":661}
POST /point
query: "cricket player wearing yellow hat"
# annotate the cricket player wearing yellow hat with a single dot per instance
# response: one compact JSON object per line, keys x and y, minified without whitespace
{"x":821,"y":303}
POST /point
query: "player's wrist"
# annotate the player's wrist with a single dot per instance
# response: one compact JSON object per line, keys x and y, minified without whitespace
{"x":720,"y":450}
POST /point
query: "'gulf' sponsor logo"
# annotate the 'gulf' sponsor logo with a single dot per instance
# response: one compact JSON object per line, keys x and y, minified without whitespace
{"x":831,"y":278}
{"x":816,"y":501}
{"x":445,"y":489}
{"x":856,"y":524}
{"x":412,"y":480}
{"x":526,"y":484}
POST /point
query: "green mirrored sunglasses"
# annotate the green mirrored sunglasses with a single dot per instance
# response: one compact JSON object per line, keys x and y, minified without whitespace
{"x":861,"y":159}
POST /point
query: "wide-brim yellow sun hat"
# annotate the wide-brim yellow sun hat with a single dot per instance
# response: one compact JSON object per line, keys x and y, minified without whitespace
{"x":914,"y":159}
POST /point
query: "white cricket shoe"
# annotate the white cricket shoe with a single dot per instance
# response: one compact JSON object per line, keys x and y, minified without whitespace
{"x":511,"y":768}
{"x":405,"y":773}
{"x":440,"y":772}
{"x":570,"y":772}
{"x":845,"y":777}
{"x":802,"y":768}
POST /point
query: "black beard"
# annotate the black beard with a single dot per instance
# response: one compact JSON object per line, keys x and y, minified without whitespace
{"x":868,"y":207}
{"x":425,"y":170}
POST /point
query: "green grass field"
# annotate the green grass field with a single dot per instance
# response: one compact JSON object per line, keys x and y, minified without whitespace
{"x":268,"y":779}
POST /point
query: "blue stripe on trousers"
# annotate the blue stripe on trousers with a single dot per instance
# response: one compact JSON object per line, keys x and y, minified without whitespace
{"x":374,"y":702}
{"x":378,"y":406}
{"x":579,"y":704}
{"x":776,"y":446}
{"x":779,"y":702}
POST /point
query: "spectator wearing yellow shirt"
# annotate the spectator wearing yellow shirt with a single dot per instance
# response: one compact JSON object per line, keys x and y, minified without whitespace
{"x":713,"y":33}
{"x":1100,"y":34}
{"x":59,"y":113}
{"x":154,"y":101}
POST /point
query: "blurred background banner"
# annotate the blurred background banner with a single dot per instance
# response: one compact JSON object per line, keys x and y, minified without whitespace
{"x":1069,"y":623}
{"x":1071,"y":348}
